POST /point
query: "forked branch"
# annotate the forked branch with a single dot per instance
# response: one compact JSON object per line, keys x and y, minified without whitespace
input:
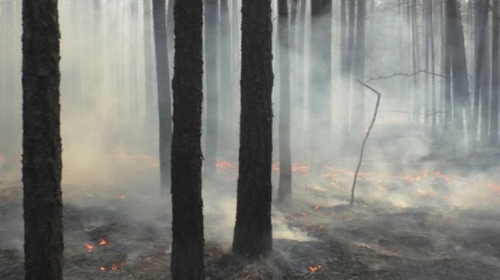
{"x":366,"y":138}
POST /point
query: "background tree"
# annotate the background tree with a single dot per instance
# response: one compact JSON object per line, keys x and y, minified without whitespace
{"x":285,"y":157}
{"x":187,"y":204}
{"x":42,"y":164}
{"x":226,"y":87}
{"x":320,"y":84}
{"x":460,"y":80}
{"x":495,"y":74}
{"x":163,"y":85}
{"x":359,"y":70}
{"x":149,"y":57}
{"x":253,"y":229}
{"x":211,"y":21}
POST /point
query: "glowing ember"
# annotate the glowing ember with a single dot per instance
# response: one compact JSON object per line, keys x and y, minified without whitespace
{"x":89,"y":247}
{"x":122,"y":196}
{"x":313,"y":269}
{"x":103,"y":242}
{"x":316,"y":207}
{"x":112,"y":267}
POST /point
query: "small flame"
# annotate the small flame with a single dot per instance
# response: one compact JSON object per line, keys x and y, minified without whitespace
{"x":115,"y":266}
{"x":103,"y":242}
{"x":313,"y":269}
{"x":316,"y":207}
{"x":102,"y":268}
{"x":89,"y":247}
{"x":122,"y":196}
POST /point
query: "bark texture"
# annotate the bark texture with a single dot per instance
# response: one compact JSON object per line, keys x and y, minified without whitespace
{"x":42,"y":164}
{"x":253,"y":229}
{"x":187,"y":204}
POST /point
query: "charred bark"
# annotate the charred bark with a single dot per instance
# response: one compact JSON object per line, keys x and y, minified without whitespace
{"x":253,"y":229}
{"x":42,"y":164}
{"x":187,"y":204}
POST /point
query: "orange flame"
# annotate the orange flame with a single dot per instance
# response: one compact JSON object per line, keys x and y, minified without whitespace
{"x":103,"y":242}
{"x":102,"y":268}
{"x":89,"y":247}
{"x":313,"y":269}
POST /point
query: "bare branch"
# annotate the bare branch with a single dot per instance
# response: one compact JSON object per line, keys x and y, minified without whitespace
{"x":403,"y":74}
{"x":366,"y":138}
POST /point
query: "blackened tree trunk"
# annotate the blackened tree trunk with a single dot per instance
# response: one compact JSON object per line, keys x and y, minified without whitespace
{"x":42,"y":164}
{"x":285,"y":181}
{"x":320,"y":111}
{"x":460,"y":79}
{"x":187,"y":203}
{"x":149,"y":57}
{"x":253,"y":229}
{"x":495,"y":76}
{"x":164,"y":92}
{"x":212,"y":79}
{"x":359,"y":70}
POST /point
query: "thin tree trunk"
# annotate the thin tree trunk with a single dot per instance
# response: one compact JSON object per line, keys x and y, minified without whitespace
{"x":481,"y":20}
{"x":495,"y":75}
{"x":42,"y":164}
{"x":213,"y":86}
{"x":359,"y":70}
{"x":351,"y":6}
{"x":253,"y":229}
{"x":187,"y":204}
{"x":164,"y":92}
{"x":285,"y":180}
{"x":226,"y":87}
{"x":320,"y":85}
{"x":149,"y":63}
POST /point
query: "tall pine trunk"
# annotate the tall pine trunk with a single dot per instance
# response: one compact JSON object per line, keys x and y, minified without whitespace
{"x":285,"y":180}
{"x":149,"y":63}
{"x":42,"y":164}
{"x":253,"y":229}
{"x":226,"y":86}
{"x":164,"y":92}
{"x":187,"y":204}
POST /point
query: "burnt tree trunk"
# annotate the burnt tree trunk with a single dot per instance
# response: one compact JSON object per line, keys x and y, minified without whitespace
{"x":495,"y":76}
{"x":164,"y":92}
{"x":42,"y":164}
{"x":212,"y":86}
{"x":253,"y":229}
{"x":285,"y":181}
{"x":187,"y":204}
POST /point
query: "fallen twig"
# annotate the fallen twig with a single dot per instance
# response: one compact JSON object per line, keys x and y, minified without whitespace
{"x":366,"y":138}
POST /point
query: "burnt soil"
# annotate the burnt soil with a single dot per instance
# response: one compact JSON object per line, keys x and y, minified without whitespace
{"x":362,"y":242}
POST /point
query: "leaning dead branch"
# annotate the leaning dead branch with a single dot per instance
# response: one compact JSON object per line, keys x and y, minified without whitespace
{"x":366,"y":138}
{"x":403,"y":74}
